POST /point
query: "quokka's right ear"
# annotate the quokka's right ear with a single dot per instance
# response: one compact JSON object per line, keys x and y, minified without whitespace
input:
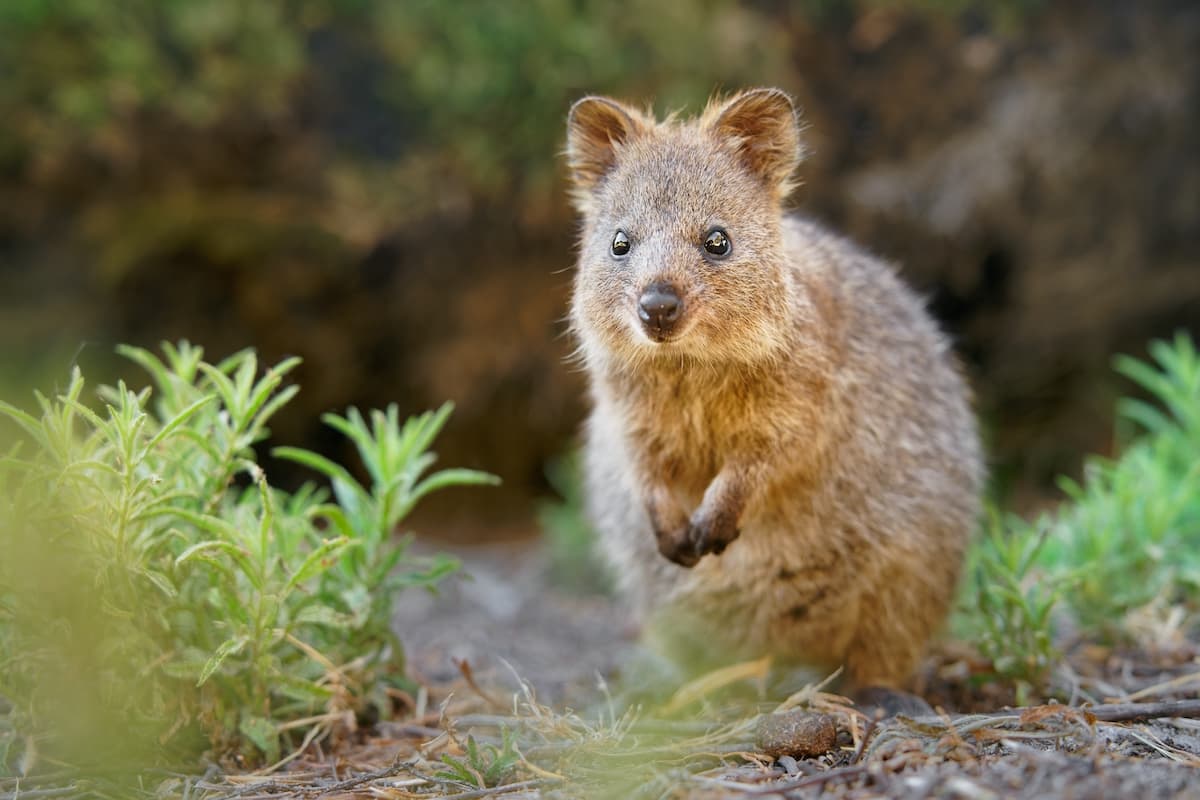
{"x":596,"y":129}
{"x":761,"y":126}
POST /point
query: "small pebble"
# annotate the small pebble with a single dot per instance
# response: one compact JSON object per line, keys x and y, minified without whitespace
{"x":799,"y":734}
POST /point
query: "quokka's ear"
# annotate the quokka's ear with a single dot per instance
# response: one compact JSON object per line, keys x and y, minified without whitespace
{"x":596,"y":127}
{"x":761,"y":125}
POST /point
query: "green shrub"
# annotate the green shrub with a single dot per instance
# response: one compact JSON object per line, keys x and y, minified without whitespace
{"x":154,"y":582}
{"x":1133,"y":526}
{"x":1128,"y":535}
{"x":439,"y":68}
{"x":1009,"y":599}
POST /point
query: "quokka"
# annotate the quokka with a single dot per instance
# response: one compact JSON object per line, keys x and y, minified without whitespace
{"x":781,"y":452}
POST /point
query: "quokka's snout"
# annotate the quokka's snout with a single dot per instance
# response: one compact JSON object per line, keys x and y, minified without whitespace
{"x":660,"y":308}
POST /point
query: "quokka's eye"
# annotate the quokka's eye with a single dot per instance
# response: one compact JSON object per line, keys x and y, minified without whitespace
{"x":717,"y":243}
{"x":620,"y":244}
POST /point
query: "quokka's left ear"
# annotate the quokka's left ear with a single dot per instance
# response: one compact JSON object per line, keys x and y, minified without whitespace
{"x":597,"y":128}
{"x":761,"y":126}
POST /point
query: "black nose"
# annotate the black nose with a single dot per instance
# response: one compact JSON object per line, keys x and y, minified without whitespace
{"x":659,"y":307}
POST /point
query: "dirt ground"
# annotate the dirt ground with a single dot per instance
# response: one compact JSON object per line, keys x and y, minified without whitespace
{"x":503,"y":649}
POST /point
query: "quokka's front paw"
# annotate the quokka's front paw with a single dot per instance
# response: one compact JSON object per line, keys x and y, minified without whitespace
{"x":678,"y":546}
{"x":672,"y":530}
{"x":702,"y":535}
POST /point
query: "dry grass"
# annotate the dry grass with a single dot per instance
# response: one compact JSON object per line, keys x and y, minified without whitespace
{"x":1106,"y":749}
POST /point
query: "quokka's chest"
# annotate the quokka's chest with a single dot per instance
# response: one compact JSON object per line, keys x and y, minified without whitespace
{"x":685,"y":431}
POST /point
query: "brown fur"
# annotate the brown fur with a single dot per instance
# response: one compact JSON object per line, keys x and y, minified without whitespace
{"x":796,"y":470}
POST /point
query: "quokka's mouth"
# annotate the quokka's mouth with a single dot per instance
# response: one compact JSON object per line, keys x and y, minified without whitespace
{"x":659,"y":333}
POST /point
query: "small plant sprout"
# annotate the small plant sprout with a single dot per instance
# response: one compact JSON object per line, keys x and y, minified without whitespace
{"x":483,"y":767}
{"x":1013,"y":599}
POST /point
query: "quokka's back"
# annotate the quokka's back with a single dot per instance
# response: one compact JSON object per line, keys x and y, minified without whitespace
{"x":781,"y":456}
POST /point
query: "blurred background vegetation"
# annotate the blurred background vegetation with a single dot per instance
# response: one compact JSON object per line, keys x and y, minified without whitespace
{"x":376,"y":187}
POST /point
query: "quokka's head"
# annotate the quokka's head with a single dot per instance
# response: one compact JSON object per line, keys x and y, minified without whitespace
{"x":681,"y":254}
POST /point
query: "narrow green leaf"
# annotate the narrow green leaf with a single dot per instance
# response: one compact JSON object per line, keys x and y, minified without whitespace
{"x":452,"y":477}
{"x":437,"y":568}
{"x":243,"y":382}
{"x":302,"y":690}
{"x":316,"y":462}
{"x":149,"y":362}
{"x":238,"y":554}
{"x":431,"y":425}
{"x":321,"y":558}
{"x":202,"y":440}
{"x":231,"y":362}
{"x":206,"y":522}
{"x":264,"y":388}
{"x":1142,"y":373}
{"x":183,"y":359}
{"x":336,"y":517}
{"x":228,"y":648}
{"x":27,"y":422}
{"x":160,"y":582}
{"x":355,"y":429}
{"x":175,"y":423}
{"x":224,"y":387}
{"x":317,"y":614}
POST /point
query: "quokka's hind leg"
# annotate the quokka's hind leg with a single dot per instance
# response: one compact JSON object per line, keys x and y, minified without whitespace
{"x":897,"y":617}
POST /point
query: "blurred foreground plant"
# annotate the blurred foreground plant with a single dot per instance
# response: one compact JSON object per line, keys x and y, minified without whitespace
{"x":155,"y":585}
{"x":1128,"y":538}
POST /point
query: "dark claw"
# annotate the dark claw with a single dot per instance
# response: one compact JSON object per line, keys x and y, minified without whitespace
{"x":712,"y":537}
